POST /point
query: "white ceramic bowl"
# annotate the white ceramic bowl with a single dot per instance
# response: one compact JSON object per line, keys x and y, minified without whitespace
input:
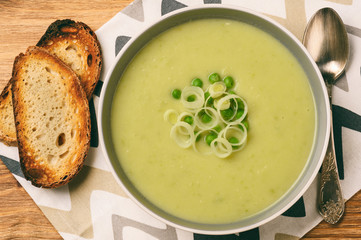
{"x":265,"y":24}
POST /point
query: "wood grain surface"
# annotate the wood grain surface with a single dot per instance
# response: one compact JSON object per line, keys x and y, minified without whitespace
{"x":22,"y":23}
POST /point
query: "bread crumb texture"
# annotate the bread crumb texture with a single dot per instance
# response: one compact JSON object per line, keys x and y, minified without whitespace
{"x":52,"y":119}
{"x":76,"y":45}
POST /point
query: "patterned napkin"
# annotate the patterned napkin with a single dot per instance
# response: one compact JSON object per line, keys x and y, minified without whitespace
{"x":93,"y":206}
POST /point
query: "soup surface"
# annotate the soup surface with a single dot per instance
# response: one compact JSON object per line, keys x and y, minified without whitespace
{"x":205,"y":188}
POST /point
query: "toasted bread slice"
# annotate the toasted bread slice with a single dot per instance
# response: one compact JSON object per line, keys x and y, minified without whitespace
{"x":77,"y":45}
{"x":52,"y":118}
{"x":7,"y":125}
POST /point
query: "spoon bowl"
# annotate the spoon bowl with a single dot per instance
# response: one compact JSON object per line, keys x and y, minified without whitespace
{"x":326,"y":40}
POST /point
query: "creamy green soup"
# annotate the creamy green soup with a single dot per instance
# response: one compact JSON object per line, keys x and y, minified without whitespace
{"x":205,"y":188}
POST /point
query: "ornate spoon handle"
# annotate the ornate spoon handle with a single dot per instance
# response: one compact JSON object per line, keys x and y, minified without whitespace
{"x":330,"y":202}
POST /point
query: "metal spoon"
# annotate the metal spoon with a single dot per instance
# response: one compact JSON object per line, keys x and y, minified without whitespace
{"x":326,"y":40}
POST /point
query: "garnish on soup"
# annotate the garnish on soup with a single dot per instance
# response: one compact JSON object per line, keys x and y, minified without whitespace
{"x":214,"y":120}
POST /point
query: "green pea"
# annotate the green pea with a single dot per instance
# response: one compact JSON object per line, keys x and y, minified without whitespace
{"x":206,"y":118}
{"x":191,"y":98}
{"x":227,"y":113}
{"x":214,"y":77}
{"x":210,"y":138}
{"x":176,"y":93}
{"x":188,"y":119}
{"x":246,"y":124}
{"x":197,"y":82}
{"x":206,"y":95}
{"x":228,"y":81}
{"x":198,"y":137}
{"x":208,"y":98}
{"x":239,"y":113}
{"x":240,"y":103}
{"x":217,"y":128}
{"x":233,"y":140}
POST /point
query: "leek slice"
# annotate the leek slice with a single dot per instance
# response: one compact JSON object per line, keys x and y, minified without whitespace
{"x":183,"y":134}
{"x":221,"y":147}
{"x":212,"y":113}
{"x":234,"y":131}
{"x":198,"y":102}
{"x":232,"y":120}
{"x":200,"y":145}
{"x":181,"y":118}
{"x":217,"y":89}
{"x":223,"y":105}
{"x":171,"y":116}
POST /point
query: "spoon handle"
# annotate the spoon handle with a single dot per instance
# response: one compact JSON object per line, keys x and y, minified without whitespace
{"x":330,"y":202}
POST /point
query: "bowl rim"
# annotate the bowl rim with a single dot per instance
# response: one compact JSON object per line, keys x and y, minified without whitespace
{"x":305,"y":185}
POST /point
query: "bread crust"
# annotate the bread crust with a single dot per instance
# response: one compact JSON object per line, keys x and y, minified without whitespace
{"x":52,"y":118}
{"x":7,"y":126}
{"x":59,"y":35}
{"x":64,"y":37}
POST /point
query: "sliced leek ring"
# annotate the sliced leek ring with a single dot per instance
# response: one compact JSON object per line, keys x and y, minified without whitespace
{"x":221,"y":147}
{"x":235,"y":131}
{"x":183,"y":115}
{"x":171,"y":116}
{"x":198,"y":102}
{"x":181,"y":118}
{"x":217,"y":89}
{"x":212,"y":113}
{"x":201,"y":146}
{"x":223,"y":105}
{"x":183,"y":134}
{"x":232,"y":120}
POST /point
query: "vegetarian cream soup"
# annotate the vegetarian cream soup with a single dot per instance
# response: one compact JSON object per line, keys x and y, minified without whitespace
{"x":206,"y":188}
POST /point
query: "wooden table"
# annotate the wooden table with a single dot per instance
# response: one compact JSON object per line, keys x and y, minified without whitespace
{"x":21,"y":24}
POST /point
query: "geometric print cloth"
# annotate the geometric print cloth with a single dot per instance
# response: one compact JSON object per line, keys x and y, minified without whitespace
{"x":93,"y":205}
